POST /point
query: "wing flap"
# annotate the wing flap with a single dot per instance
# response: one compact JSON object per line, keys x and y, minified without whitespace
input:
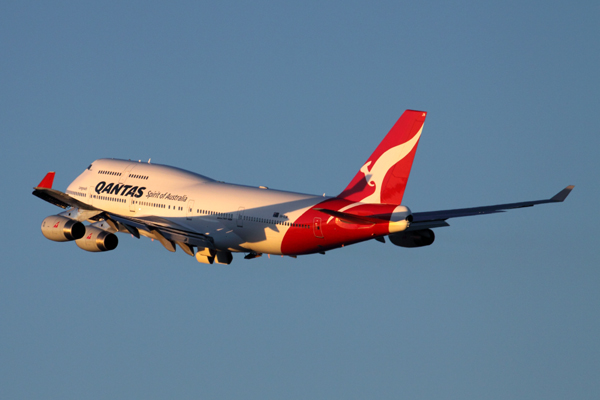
{"x":166,"y":231}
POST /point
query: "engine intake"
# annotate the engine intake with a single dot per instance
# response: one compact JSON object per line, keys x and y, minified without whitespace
{"x":96,"y":239}
{"x":420,"y":238}
{"x":62,"y":229}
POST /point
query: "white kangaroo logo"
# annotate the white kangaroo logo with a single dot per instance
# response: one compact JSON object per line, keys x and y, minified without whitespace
{"x":375,"y":175}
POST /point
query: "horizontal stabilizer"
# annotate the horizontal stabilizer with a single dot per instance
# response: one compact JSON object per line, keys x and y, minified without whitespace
{"x":430,"y":216}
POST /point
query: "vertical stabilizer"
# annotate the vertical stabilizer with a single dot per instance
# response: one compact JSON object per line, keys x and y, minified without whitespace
{"x":382,"y":179}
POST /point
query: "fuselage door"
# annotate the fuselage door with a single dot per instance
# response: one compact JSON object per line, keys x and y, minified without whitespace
{"x":125,"y":173}
{"x":131,"y":204}
{"x":190,"y":209}
{"x":240,"y":217}
{"x":317,"y":227}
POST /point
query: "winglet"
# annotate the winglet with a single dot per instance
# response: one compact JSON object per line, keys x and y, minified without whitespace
{"x":47,"y":181}
{"x":562,"y":195}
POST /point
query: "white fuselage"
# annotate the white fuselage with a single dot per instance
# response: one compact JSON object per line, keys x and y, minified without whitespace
{"x":238,"y":218}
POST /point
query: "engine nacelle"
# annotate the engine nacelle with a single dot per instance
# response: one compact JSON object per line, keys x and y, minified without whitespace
{"x":62,"y":229}
{"x":420,"y":238}
{"x":96,"y":239}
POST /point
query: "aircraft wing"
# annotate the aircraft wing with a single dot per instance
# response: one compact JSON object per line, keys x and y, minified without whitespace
{"x":436,"y":219}
{"x":45,"y":192}
{"x":60,"y":199}
{"x":166,"y":232}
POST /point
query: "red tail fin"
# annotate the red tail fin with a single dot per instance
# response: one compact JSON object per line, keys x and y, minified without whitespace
{"x":382,"y":179}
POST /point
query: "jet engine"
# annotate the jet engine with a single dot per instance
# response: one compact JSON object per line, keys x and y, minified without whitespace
{"x":62,"y":229}
{"x":420,"y":238}
{"x":96,"y":239}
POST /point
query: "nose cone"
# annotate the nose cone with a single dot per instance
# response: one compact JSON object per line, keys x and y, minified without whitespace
{"x":400,"y":219}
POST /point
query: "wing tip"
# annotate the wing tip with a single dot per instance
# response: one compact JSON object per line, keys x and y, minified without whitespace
{"x":562,"y":195}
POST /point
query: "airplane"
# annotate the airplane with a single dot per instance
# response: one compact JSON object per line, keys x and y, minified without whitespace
{"x":211,"y":220}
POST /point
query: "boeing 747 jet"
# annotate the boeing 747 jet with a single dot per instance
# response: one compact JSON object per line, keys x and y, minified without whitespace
{"x":211,"y":220}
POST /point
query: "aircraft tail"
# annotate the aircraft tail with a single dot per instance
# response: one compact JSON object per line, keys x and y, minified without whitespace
{"x":383,"y":178}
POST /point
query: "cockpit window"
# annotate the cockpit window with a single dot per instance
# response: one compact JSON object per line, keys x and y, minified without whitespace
{"x":90,"y":167}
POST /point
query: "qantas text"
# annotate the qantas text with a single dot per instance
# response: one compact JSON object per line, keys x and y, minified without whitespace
{"x":120,"y":189}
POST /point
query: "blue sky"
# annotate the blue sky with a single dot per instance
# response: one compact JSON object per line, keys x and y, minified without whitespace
{"x":296,"y":97}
